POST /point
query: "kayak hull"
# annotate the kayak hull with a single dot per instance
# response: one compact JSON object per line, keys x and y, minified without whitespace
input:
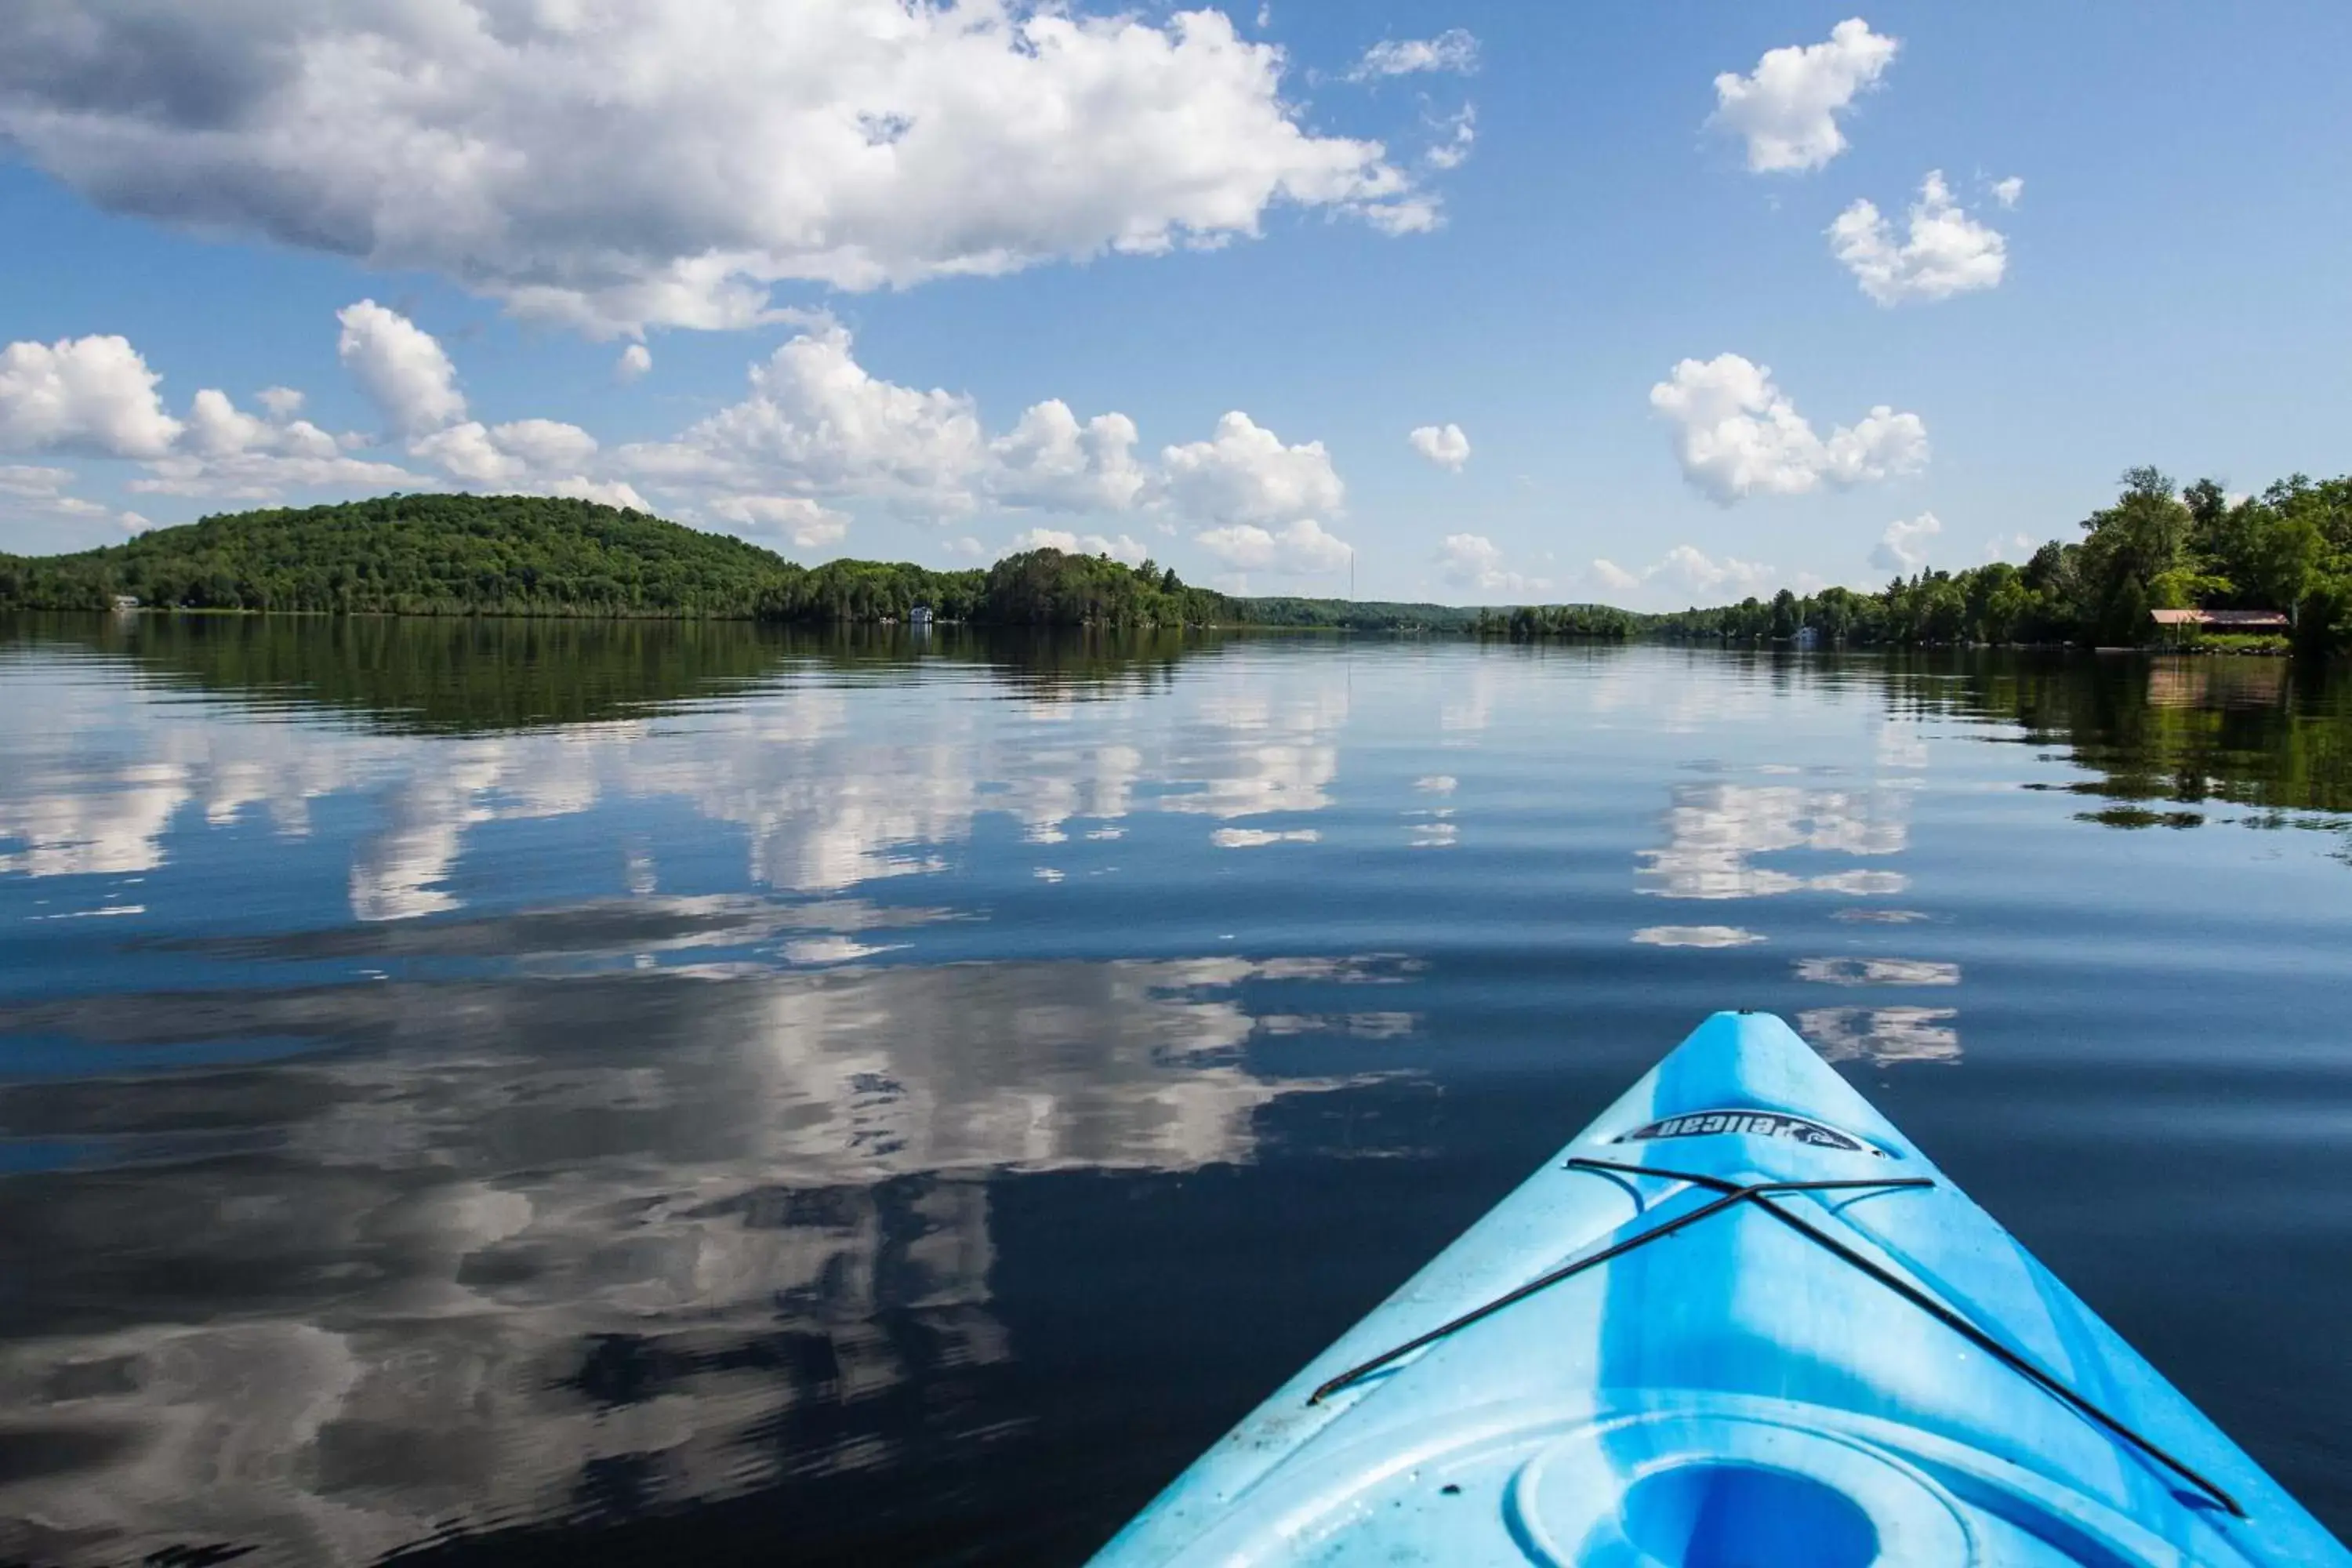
{"x":1741,"y":1320}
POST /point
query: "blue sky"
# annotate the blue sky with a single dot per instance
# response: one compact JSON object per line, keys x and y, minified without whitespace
{"x":939,"y":223}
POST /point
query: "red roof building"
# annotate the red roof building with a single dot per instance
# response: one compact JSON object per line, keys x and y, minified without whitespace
{"x":2176,"y":621}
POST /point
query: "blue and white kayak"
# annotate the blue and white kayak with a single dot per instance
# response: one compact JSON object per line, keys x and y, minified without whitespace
{"x":1741,"y":1322}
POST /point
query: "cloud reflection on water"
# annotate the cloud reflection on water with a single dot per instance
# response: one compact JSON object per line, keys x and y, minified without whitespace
{"x":1697,"y":936}
{"x":482,"y":1237}
{"x":1878,"y":972}
{"x":1716,"y":831}
{"x":462,"y":1244}
{"x":823,"y":804}
{"x":1882,"y":1035}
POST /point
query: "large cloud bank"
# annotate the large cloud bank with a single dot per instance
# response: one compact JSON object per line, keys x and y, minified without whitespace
{"x":613,"y":163}
{"x":814,"y":431}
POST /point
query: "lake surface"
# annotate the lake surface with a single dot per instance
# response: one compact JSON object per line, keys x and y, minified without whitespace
{"x":558,"y":1093}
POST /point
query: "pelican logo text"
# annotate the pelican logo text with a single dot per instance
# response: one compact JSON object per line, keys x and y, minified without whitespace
{"x":1755,"y":1123}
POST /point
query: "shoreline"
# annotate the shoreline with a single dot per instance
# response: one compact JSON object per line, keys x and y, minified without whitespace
{"x":1780,"y":647}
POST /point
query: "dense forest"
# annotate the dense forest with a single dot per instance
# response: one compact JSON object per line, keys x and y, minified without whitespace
{"x":1585,"y":621}
{"x":529,"y":555}
{"x":2158,"y":547}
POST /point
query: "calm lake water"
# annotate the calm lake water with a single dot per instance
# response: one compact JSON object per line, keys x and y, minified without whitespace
{"x":519,"y":1092}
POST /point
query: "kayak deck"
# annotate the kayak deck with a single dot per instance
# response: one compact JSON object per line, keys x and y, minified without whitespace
{"x":1741,"y":1320}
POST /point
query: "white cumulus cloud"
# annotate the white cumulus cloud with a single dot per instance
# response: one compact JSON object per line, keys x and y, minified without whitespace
{"x":617,"y":493}
{"x":2012,"y":547}
{"x":217,"y":428}
{"x":1692,"y":571}
{"x":2007,"y":192}
{"x":635,"y":360}
{"x":1121,"y":549}
{"x":815,"y":427}
{"x":97,"y":395}
{"x":1612,"y":578}
{"x":1472,"y":561}
{"x":545,"y":443}
{"x":258,"y":473}
{"x":817,"y":421}
{"x":634,"y":161}
{"x":1688,"y":574}
{"x":796,"y":518}
{"x":531,"y":457}
{"x":1787,"y":109}
{"x":1456,"y":134}
{"x":1945,"y":252}
{"x":23,"y":484}
{"x":1050,"y":459}
{"x":401,"y":367}
{"x":31,"y":493}
{"x":1453,"y":50}
{"x":229,"y":454}
{"x":1903,"y":548}
{"x":1244,"y":474}
{"x":1444,"y":444}
{"x":466,"y":452}
{"x":1737,"y":434}
{"x":520,"y":451}
{"x":91,"y":394}
{"x":1300,"y":549}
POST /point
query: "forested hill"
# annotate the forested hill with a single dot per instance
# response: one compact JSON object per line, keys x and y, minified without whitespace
{"x":531,"y":555}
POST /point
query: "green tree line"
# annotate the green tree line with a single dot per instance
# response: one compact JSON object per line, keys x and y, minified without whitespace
{"x":1532,"y":622}
{"x":533,"y":555}
{"x":2288,"y":549}
{"x":2159,"y":546}
{"x":1355,"y":615}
